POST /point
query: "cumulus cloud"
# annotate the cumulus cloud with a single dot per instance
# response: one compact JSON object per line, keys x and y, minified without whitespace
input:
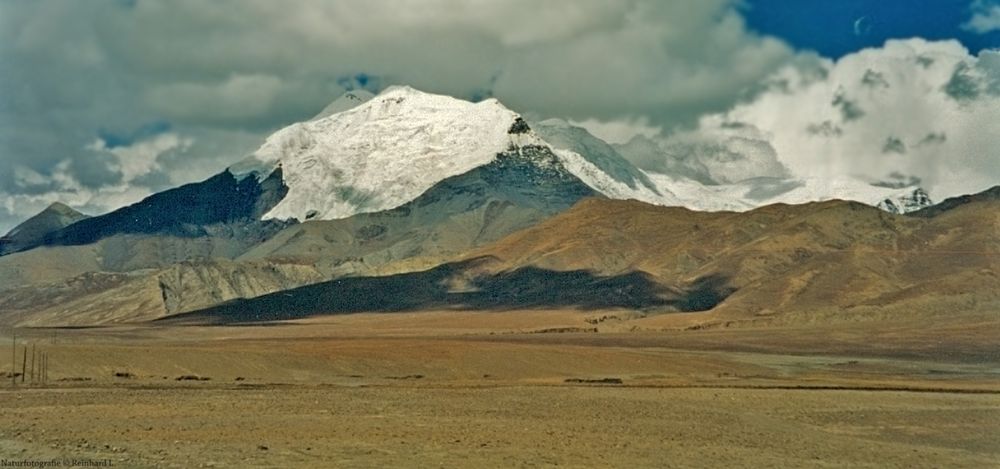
{"x":232,"y":60}
{"x":985,"y":17}
{"x":225,"y":73}
{"x":212,"y":79}
{"x":612,"y":59}
{"x":237,"y":98}
{"x":140,"y":158}
{"x":114,"y":176}
{"x":725,"y":154}
{"x":911,"y":110}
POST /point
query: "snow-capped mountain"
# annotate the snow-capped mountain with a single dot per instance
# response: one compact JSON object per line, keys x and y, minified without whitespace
{"x":627,"y":181}
{"x":389,"y":149}
{"x":367,"y":153}
{"x":756,"y":192}
{"x":744,"y":184}
{"x":907,"y":201}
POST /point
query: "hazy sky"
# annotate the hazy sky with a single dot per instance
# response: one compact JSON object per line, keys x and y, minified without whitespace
{"x":105,"y":101}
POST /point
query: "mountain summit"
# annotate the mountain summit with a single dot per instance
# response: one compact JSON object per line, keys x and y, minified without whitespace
{"x":55,"y":217}
{"x":389,"y":149}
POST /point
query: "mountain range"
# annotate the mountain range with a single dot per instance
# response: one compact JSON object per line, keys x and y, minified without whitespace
{"x":407,"y":191}
{"x":805,"y":262}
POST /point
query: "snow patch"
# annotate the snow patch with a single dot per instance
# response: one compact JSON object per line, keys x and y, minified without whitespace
{"x":384,"y":152}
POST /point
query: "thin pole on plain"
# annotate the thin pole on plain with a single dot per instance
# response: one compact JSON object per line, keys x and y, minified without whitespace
{"x":13,"y":357}
{"x":32,"y":362}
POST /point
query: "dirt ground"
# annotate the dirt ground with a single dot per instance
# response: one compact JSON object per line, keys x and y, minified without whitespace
{"x":505,"y":390}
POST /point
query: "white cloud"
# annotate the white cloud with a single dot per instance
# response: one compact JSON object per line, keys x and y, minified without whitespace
{"x":722,"y":154}
{"x":64,"y":187}
{"x":927,"y":110}
{"x":985,"y":18}
{"x":237,"y":61}
{"x":229,"y":71}
{"x":133,"y":163}
{"x":26,"y":177}
{"x":146,"y":166}
{"x":237,"y":98}
{"x":142,"y":158}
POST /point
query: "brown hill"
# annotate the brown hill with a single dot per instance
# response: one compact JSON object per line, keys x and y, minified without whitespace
{"x":813,"y":262}
{"x":110,"y":297}
{"x":117,"y":254}
{"x":823,"y":257}
{"x":782,"y":263}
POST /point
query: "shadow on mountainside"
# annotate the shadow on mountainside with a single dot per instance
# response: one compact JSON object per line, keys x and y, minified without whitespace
{"x":450,"y":286}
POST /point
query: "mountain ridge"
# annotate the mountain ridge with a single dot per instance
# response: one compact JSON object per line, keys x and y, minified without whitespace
{"x":34,"y":230}
{"x":832,"y":261}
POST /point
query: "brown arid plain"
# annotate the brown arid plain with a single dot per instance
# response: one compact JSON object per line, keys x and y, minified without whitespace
{"x":512,"y":389}
{"x":616,"y":334}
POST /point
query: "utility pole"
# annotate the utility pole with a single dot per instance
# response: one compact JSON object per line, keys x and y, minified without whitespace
{"x":24,"y":362}
{"x":32,"y":362}
{"x":13,"y":357}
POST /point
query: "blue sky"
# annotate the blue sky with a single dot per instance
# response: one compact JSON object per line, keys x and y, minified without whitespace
{"x":828,"y":26}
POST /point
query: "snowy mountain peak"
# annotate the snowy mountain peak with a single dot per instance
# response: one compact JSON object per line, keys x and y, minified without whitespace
{"x":906,"y":201}
{"x":383,"y":152}
{"x":388,"y":150}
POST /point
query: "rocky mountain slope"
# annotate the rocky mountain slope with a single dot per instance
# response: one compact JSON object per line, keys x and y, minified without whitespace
{"x":94,"y":298}
{"x":989,"y":195}
{"x":126,"y":253}
{"x":218,"y":206}
{"x":522,"y":186}
{"x":34,"y":230}
{"x":808,"y":262}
